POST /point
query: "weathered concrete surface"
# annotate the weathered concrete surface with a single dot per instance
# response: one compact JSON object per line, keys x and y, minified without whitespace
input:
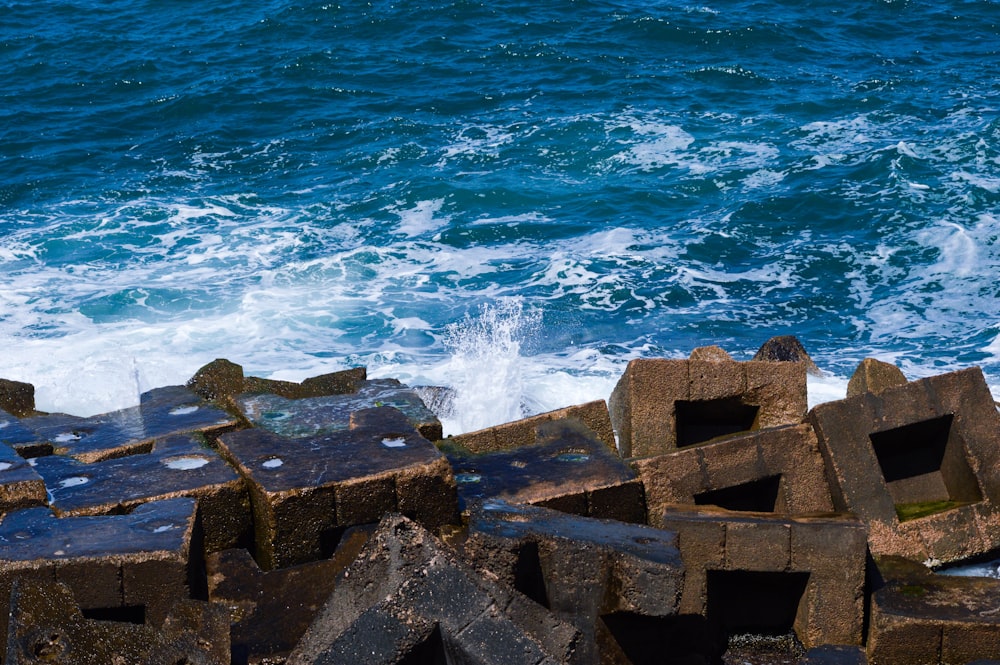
{"x":749,"y":572}
{"x":271,"y":611}
{"x":567,"y":468}
{"x":920,"y":617}
{"x":776,"y":470}
{"x":919,"y":463}
{"x":832,"y":654}
{"x":661,"y":405}
{"x":874,"y":376}
{"x":618,"y":583}
{"x":523,"y":432}
{"x":305,"y":491}
{"x":176,"y":466}
{"x":314,"y":416}
{"x":110,"y":562}
{"x":161,"y":412}
{"x":409,"y":598}
{"x":20,"y":484}
{"x":46,"y":626}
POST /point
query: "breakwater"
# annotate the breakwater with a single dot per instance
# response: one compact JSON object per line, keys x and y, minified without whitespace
{"x":702,"y":513}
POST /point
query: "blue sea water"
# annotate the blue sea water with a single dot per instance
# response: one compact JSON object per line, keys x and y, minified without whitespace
{"x":510,"y":198}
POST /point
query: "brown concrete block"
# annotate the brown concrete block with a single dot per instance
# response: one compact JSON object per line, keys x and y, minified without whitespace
{"x":17,"y":398}
{"x":161,"y":413}
{"x":874,"y":376}
{"x":757,"y":544}
{"x":564,"y":468}
{"x":625,"y":502}
{"x":141,"y":558}
{"x":904,"y":458}
{"x":775,"y":470}
{"x":46,"y":625}
{"x":176,"y":466}
{"x":306,"y":489}
{"x":778,"y":389}
{"x":786,"y":348}
{"x":711,"y":379}
{"x":642,"y":405}
{"x":702,"y":543}
{"x":20,"y":484}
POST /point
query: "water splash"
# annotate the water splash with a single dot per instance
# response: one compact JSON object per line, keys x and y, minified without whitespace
{"x":485,"y":369}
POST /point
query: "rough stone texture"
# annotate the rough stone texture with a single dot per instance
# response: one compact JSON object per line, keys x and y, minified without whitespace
{"x":710,"y":353}
{"x":46,"y":626}
{"x":314,"y":416}
{"x":661,"y":405}
{"x":20,"y":484}
{"x":874,"y":376}
{"x":17,"y":398}
{"x":774,"y":470}
{"x":305,"y":491}
{"x":585,"y":571}
{"x":161,"y":412}
{"x":409,"y":598}
{"x":221,"y":380}
{"x":271,"y":610}
{"x":524,"y":432}
{"x":930,"y":444}
{"x":20,"y":438}
{"x":110,"y":562}
{"x":786,"y":348}
{"x":832,"y":654}
{"x":176,"y":466}
{"x":921,"y":617}
{"x":567,"y":468}
{"x":737,"y":564}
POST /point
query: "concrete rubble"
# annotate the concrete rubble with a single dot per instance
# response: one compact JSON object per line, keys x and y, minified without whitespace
{"x":703,"y":514}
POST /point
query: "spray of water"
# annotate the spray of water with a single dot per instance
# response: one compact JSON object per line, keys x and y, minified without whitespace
{"x":485,"y":368}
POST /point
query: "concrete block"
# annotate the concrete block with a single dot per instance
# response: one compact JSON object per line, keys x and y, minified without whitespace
{"x":271,"y":610}
{"x":522,"y":432}
{"x":112,"y":563}
{"x":46,"y":625}
{"x":176,"y":466}
{"x":918,"y":616}
{"x":306,"y":490}
{"x":567,"y":468}
{"x":807,"y":574}
{"x":17,"y":398}
{"x":919,"y":463}
{"x":659,"y":405}
{"x":161,"y":413}
{"x":874,"y":376}
{"x":20,"y":484}
{"x":776,"y":470}
{"x":408,"y":596}
{"x":786,"y":348}
{"x":20,"y":438}
{"x":582,"y":569}
{"x":315,"y":416}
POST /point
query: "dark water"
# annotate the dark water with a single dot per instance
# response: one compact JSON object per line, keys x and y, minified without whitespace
{"x":543,"y":192}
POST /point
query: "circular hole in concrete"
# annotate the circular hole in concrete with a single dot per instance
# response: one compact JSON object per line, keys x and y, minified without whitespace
{"x":573,"y":457}
{"x":183,"y":410}
{"x":394,"y":442}
{"x":5,"y":465}
{"x":67,"y":437}
{"x":74,"y":481}
{"x":186,"y":463}
{"x":468,"y":478}
{"x":272,"y":463}
{"x":274,"y":415}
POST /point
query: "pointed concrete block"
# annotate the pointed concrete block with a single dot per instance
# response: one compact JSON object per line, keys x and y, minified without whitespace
{"x":874,"y":376}
{"x":161,"y":412}
{"x":176,"y":466}
{"x":408,"y":597}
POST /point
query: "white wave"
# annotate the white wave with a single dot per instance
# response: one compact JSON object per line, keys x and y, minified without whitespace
{"x":422,"y":218}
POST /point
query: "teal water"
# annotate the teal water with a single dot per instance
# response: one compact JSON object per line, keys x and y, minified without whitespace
{"x":510,"y":199}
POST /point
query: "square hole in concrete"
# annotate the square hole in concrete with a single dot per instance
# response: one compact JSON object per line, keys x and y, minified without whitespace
{"x":925,"y":468}
{"x":752,"y":602}
{"x":759,"y":496}
{"x":671,"y":640}
{"x":700,"y":420}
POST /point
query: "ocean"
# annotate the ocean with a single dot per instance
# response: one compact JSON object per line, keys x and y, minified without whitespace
{"x":509,"y":198}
